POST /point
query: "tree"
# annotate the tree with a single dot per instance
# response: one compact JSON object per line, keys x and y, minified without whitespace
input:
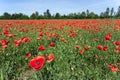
{"x":45,"y":15}
{"x":40,"y":17}
{"x":15,"y":16}
{"x":6,"y":15}
{"x":102,"y":15}
{"x":107,"y":12}
{"x":83,"y":15}
{"x":92,"y":15}
{"x":70,"y":16}
{"x":78,"y":15}
{"x":57,"y":16}
{"x":111,"y":12}
{"x":34,"y":15}
{"x":25,"y":16}
{"x":48,"y":13}
{"x":75,"y":16}
{"x":64,"y":16}
{"x":87,"y":13}
{"x":118,"y":12}
{"x":19,"y":16}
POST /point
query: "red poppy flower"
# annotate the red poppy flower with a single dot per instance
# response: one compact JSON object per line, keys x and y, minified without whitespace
{"x":81,"y":51}
{"x":37,"y":63}
{"x":87,"y":48}
{"x":4,"y":47}
{"x":96,"y":56}
{"x":17,"y":42}
{"x":117,"y":49}
{"x":41,"y":48}
{"x":95,"y":39}
{"x":80,"y":34}
{"x":71,"y":31}
{"x":108,"y":37}
{"x":65,"y":41}
{"x":41,"y":33}
{"x":9,"y":35}
{"x":113,"y":68}
{"x":4,"y":42}
{"x":6,"y":31}
{"x":50,"y":58}
{"x":25,"y":39}
{"x":100,"y":47}
{"x":62,"y":39}
{"x":52,"y":44}
{"x":105,"y":48}
{"x":28,"y":55}
{"x":116,"y":43}
{"x":21,"y":29}
{"x":26,"y":31}
{"x":78,"y":46}
{"x":72,"y":35}
{"x":54,"y":35}
{"x":14,"y":35}
{"x":49,"y":38}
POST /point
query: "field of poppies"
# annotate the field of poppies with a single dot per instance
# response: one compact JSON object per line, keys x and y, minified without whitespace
{"x":59,"y":49}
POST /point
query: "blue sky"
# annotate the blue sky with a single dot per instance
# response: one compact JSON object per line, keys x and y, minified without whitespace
{"x":61,"y":6}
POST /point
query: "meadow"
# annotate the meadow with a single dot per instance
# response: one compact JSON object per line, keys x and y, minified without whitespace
{"x":59,"y":49}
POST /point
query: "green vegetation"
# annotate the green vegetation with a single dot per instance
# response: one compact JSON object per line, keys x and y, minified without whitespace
{"x":69,"y":63}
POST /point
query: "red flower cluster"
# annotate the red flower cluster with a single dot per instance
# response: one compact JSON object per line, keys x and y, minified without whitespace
{"x":4,"y":44}
{"x":22,"y":40}
{"x":25,"y":39}
{"x":37,"y":63}
{"x":100,"y":47}
{"x":10,"y":35}
{"x":17,"y":42}
{"x":113,"y":68}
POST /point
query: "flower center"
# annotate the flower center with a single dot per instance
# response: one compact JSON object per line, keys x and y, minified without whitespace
{"x":37,"y":62}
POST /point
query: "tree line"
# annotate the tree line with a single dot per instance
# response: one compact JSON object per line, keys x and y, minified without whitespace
{"x":108,"y":13}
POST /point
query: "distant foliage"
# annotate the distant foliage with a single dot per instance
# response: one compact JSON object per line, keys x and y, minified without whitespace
{"x":107,"y":14}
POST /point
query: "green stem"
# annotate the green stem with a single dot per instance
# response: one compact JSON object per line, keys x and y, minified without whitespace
{"x":35,"y":75}
{"x":1,"y":75}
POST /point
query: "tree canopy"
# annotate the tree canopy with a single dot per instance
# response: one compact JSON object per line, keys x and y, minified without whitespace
{"x":108,"y":13}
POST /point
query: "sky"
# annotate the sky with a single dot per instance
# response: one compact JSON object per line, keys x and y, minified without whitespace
{"x":61,"y":6}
